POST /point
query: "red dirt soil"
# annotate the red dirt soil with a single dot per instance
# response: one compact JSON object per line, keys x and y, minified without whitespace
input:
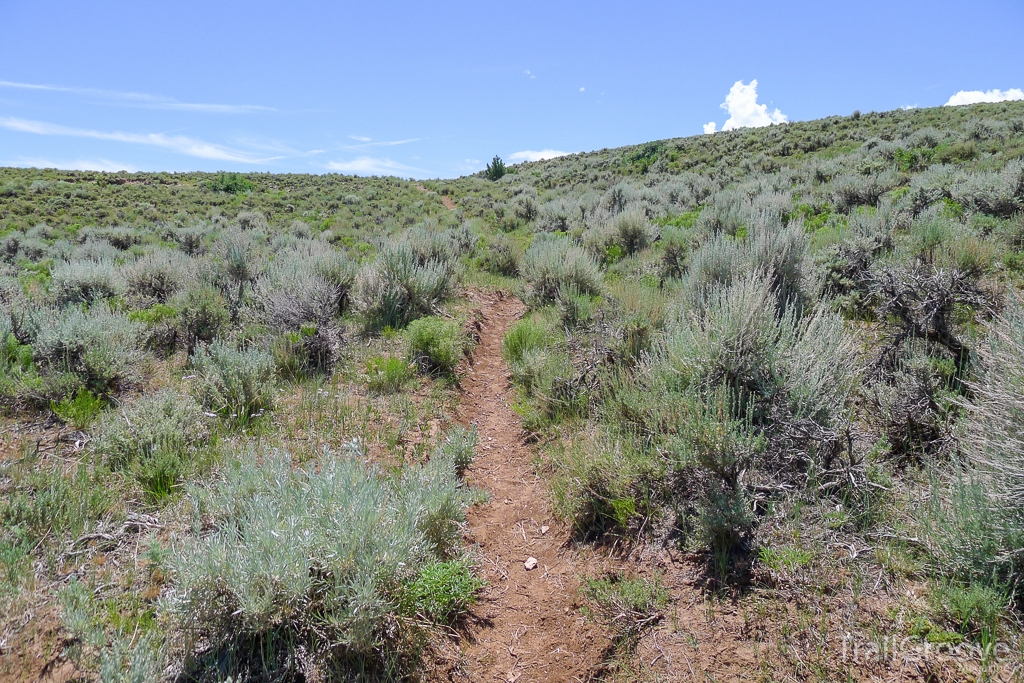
{"x":527,"y":625}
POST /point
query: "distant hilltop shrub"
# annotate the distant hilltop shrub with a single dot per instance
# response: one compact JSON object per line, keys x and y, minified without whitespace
{"x":496,"y":169}
{"x":231,"y":183}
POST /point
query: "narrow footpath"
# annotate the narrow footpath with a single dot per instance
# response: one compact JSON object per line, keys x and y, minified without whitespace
{"x":527,"y":626}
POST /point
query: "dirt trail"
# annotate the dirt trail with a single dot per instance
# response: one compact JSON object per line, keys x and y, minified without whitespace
{"x":527,"y":626}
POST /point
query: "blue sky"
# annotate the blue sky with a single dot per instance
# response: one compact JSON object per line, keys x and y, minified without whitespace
{"x":419,"y":89}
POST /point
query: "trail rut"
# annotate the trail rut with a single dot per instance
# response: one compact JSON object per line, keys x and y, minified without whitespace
{"x":527,"y":626}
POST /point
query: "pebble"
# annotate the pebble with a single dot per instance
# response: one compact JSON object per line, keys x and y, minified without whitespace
{"x":531,"y":563}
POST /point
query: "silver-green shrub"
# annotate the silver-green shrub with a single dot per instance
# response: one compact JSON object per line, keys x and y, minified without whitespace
{"x":238,"y":384}
{"x":85,"y":281}
{"x":162,"y":422}
{"x":857,"y":190}
{"x":997,"y":193}
{"x":315,"y":559}
{"x":103,"y":348}
{"x":291,"y":294}
{"x":397,"y":287}
{"x":158,"y":276}
{"x":552,"y":263}
{"x":630,"y":231}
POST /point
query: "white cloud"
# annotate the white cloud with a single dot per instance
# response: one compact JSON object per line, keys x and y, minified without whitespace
{"x":532,"y":155}
{"x":744,"y":111}
{"x":908,"y":107}
{"x":383,"y":143}
{"x":75,"y":165}
{"x":374,"y":166}
{"x":360,"y":138}
{"x":138,"y":99}
{"x":527,"y":72}
{"x":582,"y":89}
{"x":710,"y":127}
{"x":977,"y":96}
{"x":175,"y":143}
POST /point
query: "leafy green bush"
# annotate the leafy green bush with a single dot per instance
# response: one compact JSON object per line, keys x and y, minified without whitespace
{"x":336,"y":561}
{"x":442,"y":592}
{"x":495,"y":170}
{"x":237,"y":384}
{"x":436,"y":344}
{"x":231,"y":183}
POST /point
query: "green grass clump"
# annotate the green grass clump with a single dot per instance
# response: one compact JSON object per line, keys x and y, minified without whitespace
{"x":50,"y":504}
{"x":442,"y":592}
{"x":387,"y":375}
{"x":629,"y":605}
{"x":435,"y":344}
{"x":523,"y":338}
{"x":79,"y":410}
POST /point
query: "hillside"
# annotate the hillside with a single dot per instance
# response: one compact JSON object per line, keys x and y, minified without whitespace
{"x":735,"y":406}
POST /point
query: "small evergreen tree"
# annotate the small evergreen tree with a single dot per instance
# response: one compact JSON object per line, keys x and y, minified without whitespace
{"x":495,"y":169}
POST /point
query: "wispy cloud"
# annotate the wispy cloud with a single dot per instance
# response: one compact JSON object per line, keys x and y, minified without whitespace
{"x":137,"y":99}
{"x":374,"y":166}
{"x":534,"y":155}
{"x":360,"y":138}
{"x":744,"y":111}
{"x":978,"y":96}
{"x":175,"y":143}
{"x":527,"y":72}
{"x":74,"y":165}
{"x":383,"y":143}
